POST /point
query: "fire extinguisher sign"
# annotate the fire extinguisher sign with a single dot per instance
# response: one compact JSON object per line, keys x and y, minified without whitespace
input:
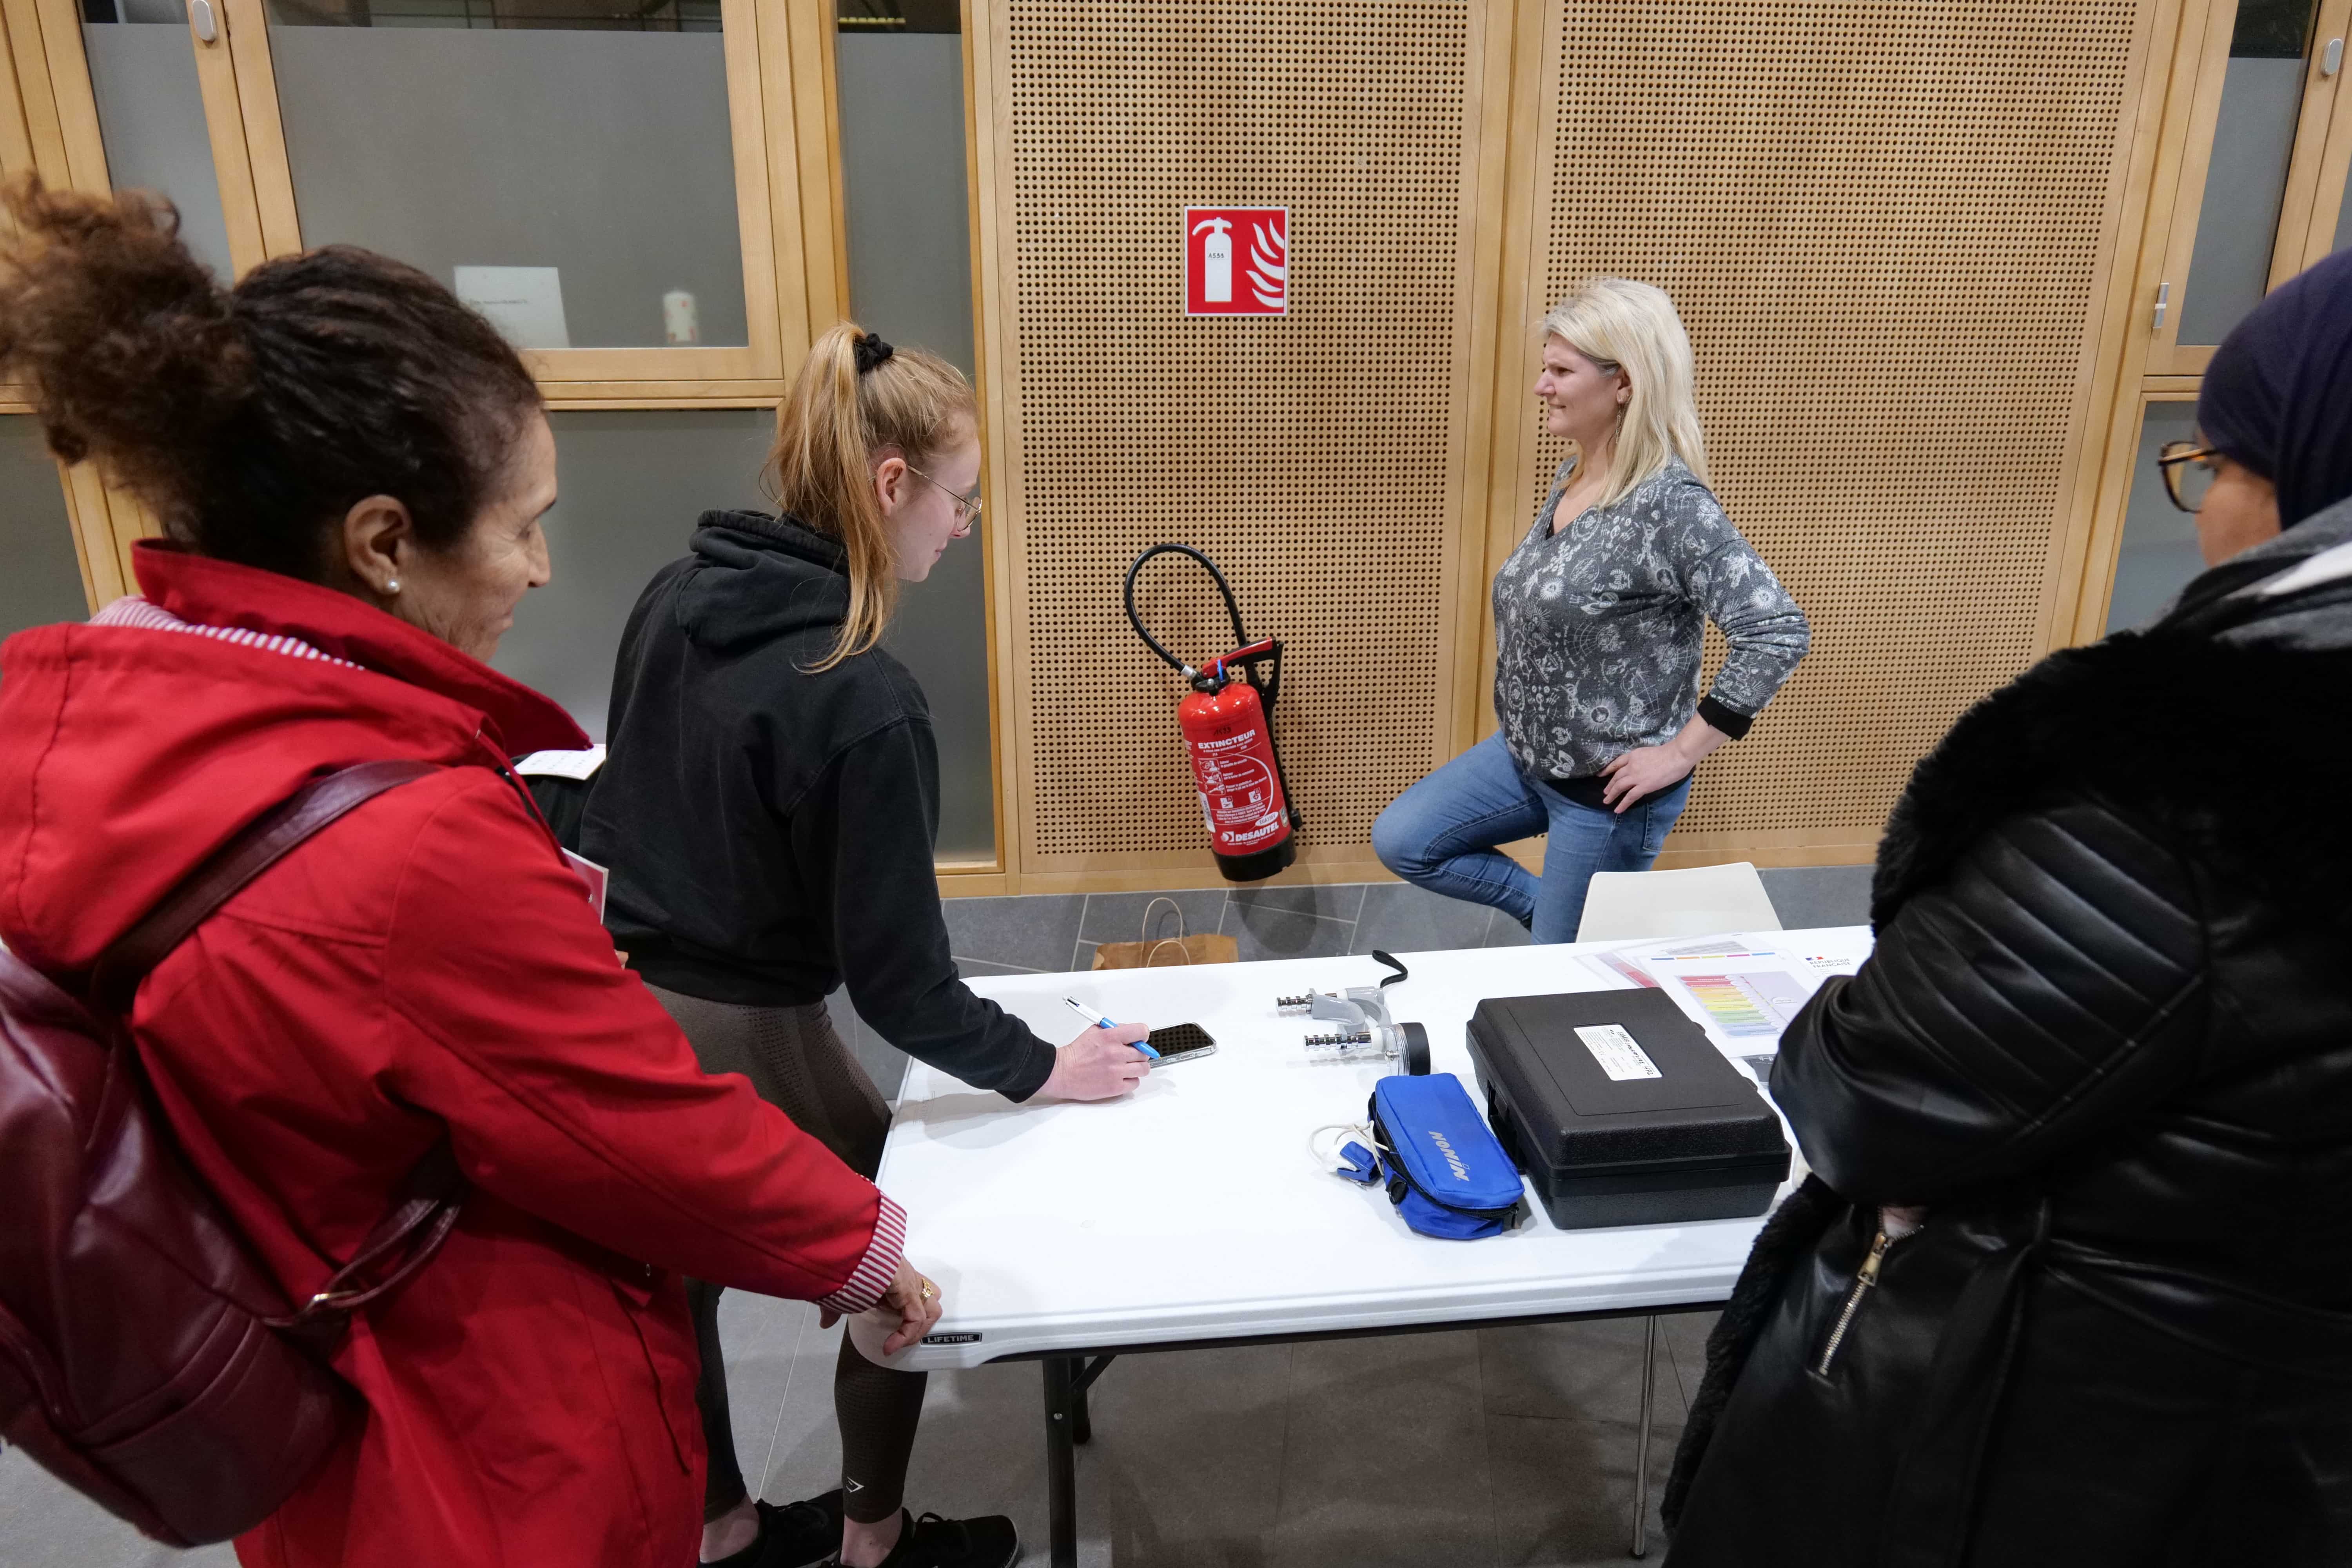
{"x":1237,"y":261}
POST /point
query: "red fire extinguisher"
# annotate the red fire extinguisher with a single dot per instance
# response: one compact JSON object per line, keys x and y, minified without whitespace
{"x":1227,"y":719}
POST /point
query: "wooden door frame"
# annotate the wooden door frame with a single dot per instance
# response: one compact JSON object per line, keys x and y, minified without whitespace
{"x":2203,"y":57}
{"x":775,"y":52}
{"x":2154,"y":363}
{"x":55,"y":106}
{"x":2323,"y":155}
{"x":93,"y":539}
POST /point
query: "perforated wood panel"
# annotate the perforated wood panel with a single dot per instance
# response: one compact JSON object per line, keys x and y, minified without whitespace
{"x":1885,"y":225}
{"x":1317,"y":455}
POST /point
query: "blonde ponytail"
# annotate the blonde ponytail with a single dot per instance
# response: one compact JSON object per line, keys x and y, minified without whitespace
{"x":832,"y":429}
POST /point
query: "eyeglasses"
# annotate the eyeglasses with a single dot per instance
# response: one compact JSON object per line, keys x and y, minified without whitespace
{"x":2189,"y":472}
{"x":967,"y":509}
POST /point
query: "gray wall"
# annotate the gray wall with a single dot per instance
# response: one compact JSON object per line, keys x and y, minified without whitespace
{"x":902,"y":178}
{"x":630,"y":485}
{"x":150,"y":116}
{"x":40,"y":579}
{"x":606,"y":154}
{"x":2237,"y":228}
{"x":2159,"y":544}
{"x":902,"y":159}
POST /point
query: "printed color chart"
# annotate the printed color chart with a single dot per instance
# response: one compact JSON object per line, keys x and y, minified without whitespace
{"x":1744,"y":1005}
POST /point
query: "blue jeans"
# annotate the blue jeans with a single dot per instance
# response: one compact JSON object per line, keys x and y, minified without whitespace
{"x":1441,"y":834}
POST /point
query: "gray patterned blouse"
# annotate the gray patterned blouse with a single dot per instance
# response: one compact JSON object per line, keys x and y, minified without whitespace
{"x":1598,"y":627}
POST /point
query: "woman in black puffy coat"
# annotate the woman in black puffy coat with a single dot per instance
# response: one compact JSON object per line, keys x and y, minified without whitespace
{"x":2073,"y":1280}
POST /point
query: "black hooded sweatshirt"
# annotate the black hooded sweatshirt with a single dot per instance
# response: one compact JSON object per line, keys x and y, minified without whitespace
{"x":770,"y":829}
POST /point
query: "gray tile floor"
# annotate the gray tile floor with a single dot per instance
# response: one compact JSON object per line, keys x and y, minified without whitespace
{"x":1504,"y":1446}
{"x":1501,"y":1446}
{"x":1048,"y":933}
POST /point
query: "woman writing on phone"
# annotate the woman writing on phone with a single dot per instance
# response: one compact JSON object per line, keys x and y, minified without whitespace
{"x":768,"y":813}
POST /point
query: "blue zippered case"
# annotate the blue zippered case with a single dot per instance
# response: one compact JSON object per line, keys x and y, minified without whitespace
{"x":1445,"y":1170}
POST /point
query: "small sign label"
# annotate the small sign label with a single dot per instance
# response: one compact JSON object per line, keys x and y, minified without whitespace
{"x":951,"y":1339}
{"x":525,"y":303}
{"x":1237,"y":261}
{"x":1614,"y":1049}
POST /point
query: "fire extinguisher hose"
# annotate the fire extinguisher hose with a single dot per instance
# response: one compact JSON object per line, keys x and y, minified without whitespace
{"x":1232,"y":610}
{"x":1268,"y":689}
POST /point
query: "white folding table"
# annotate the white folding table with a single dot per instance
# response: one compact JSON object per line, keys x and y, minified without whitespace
{"x":1195,"y":1213}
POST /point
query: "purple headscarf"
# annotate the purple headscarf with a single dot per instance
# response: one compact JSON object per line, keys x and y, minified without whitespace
{"x":2278,"y":395}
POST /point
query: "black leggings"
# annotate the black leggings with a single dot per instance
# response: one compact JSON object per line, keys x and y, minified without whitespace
{"x":798,"y":1064}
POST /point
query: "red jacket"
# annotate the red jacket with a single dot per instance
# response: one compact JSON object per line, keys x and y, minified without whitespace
{"x":427,"y":964}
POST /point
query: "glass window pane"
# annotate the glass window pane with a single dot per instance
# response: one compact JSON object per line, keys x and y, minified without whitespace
{"x":43,"y":581}
{"x":2159,"y":546}
{"x":2245,"y":182}
{"x":629,"y":487}
{"x":900,"y":90}
{"x":566,"y":166}
{"x":151,"y":114}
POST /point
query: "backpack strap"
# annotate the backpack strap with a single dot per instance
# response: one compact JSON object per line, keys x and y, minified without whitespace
{"x":424,"y":1208}
{"x":423,"y":1213}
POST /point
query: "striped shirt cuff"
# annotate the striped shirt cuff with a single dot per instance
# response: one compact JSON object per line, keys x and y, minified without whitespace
{"x":878,"y":1268}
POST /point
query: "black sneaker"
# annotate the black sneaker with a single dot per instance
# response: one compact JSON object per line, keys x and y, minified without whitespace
{"x":795,"y":1535}
{"x":930,"y":1542}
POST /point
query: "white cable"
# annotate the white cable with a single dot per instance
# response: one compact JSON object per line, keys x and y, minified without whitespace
{"x":1329,"y":1165}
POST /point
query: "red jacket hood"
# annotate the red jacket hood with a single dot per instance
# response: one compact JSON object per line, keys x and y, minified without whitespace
{"x":129,"y":754}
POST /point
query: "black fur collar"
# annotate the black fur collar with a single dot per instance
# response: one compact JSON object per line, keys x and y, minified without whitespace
{"x":2241,"y":752}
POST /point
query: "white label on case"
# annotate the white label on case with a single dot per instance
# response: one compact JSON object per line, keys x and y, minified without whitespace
{"x":1616,"y":1052}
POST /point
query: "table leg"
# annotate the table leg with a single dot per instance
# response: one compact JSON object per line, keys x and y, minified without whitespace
{"x":1642,"y":1444}
{"x":1061,"y":1459}
{"x":1082,"y":1422}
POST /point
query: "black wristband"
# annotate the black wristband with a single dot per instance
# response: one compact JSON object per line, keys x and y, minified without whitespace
{"x":1732,"y":724}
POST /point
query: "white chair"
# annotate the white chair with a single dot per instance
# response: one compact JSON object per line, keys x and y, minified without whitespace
{"x":1699,"y":901}
{"x":1622,"y":906}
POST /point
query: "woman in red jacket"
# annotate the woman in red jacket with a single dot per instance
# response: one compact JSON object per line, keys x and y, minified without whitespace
{"x":351,"y":468}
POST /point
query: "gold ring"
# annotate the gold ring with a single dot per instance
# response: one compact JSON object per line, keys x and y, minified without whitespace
{"x":929,"y":1290}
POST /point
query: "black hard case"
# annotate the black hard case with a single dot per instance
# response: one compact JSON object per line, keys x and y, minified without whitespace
{"x":1697,"y":1142}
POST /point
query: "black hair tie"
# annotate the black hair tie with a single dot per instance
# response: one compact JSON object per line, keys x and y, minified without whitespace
{"x":871,"y":352}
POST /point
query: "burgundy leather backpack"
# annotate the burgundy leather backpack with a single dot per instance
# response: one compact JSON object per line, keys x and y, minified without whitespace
{"x":145,"y":1359}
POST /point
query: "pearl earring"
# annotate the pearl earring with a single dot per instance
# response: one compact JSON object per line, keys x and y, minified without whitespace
{"x":392,"y":586}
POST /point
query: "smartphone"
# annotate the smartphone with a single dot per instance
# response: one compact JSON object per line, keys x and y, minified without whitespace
{"x":1181,"y":1043}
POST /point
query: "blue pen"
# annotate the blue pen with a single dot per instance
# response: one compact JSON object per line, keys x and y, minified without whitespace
{"x":1099,"y":1022}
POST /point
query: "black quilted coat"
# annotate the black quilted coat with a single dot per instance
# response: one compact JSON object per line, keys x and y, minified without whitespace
{"x":2105,"y":1041}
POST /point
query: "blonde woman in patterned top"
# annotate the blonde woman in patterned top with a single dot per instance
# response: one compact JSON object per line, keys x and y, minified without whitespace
{"x":1599,"y":618}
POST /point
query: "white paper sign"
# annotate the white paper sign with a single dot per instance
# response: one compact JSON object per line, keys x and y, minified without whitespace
{"x":525,"y":303}
{"x":563,"y":765}
{"x":1617,"y":1053}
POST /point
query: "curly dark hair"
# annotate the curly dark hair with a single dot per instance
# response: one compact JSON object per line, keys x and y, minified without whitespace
{"x":252,"y":418}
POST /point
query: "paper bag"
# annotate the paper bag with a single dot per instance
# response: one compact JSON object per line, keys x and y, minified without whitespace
{"x":1167,"y":953}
